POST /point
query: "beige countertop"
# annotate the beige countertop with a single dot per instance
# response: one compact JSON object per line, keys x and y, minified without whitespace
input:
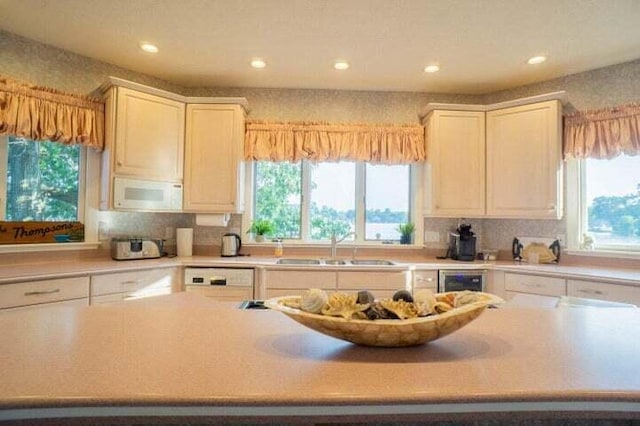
{"x":57,"y":269}
{"x":184,"y":357}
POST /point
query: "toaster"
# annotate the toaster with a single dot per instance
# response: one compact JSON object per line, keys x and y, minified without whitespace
{"x":131,"y":248}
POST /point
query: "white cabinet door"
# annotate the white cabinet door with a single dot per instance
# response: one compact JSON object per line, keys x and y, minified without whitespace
{"x":524,"y":163}
{"x":214,"y":167}
{"x":134,"y":284}
{"x":455,"y":171}
{"x":604,"y":291}
{"x":374,"y":281}
{"x":149,"y":136}
{"x":43,"y":291}
{"x":534,"y":284}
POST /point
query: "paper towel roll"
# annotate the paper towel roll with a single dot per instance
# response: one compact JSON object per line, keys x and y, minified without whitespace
{"x":213,"y":219}
{"x":184,"y":237}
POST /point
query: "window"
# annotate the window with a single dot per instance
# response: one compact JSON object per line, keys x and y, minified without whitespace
{"x":39,"y":181}
{"x":311,"y":201}
{"x":609,"y":217}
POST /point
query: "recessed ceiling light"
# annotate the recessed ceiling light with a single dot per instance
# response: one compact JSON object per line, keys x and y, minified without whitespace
{"x":341,"y":65}
{"x":258,"y":63}
{"x":432,"y":68}
{"x":148,"y":47}
{"x":536,"y":60}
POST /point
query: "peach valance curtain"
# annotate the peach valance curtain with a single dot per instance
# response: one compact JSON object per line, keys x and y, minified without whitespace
{"x":39,"y":113}
{"x":321,"y":141}
{"x":604,"y":133}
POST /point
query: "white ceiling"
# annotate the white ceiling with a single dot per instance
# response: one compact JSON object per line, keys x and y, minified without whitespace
{"x":481,"y":45}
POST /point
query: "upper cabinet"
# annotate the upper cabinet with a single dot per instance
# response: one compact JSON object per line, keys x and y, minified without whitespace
{"x":146,"y":165}
{"x":502,"y":160}
{"x":455,"y":183}
{"x":213,"y":158}
{"x":524,"y":161}
{"x":148,"y":135}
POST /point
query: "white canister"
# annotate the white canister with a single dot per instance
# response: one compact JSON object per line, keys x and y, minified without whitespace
{"x":184,"y":241}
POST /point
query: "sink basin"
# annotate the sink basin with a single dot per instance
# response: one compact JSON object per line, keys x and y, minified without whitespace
{"x":335,"y":262}
{"x":298,"y":261}
{"x":371,"y":262}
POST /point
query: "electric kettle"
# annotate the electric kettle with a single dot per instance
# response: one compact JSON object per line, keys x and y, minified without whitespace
{"x":231,"y":244}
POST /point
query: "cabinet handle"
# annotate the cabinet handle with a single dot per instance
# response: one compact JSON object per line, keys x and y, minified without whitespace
{"x":40,"y":292}
{"x":119,"y":163}
{"x":587,"y":291}
{"x":552,"y":206}
{"x":132,"y":282}
{"x":420,"y":279}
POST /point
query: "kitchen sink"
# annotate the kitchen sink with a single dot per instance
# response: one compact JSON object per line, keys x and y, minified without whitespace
{"x":371,"y":262}
{"x":298,"y":261}
{"x":335,"y":262}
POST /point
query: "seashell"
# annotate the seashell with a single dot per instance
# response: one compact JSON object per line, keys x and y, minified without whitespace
{"x":400,"y":308}
{"x":466,"y":297}
{"x":313,"y":300}
{"x":441,"y":307}
{"x":377,"y":311}
{"x":424,"y":301}
{"x":343,"y":305}
{"x":365,"y":296}
{"x":448,"y":298}
{"x":291,"y":303}
{"x":403,"y":295}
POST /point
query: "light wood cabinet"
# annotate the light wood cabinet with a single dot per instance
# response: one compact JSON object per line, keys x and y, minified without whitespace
{"x":534,"y":284}
{"x":43,"y":293}
{"x":425,"y":279}
{"x":121,"y":286}
{"x":604,"y":291}
{"x":295,"y":282}
{"x":213,"y":167}
{"x":524,"y":163}
{"x":149,"y":135}
{"x":455,"y":172}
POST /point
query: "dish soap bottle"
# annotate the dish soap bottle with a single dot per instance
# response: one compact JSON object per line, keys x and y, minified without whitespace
{"x":278,"y":249}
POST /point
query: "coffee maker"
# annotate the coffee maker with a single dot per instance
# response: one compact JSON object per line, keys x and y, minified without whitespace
{"x":462,"y":244}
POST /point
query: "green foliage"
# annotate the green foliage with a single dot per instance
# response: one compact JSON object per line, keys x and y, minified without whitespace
{"x":406,"y":229}
{"x":261,"y":227}
{"x":277,"y":196}
{"x":42,"y":181}
{"x":620,"y":214}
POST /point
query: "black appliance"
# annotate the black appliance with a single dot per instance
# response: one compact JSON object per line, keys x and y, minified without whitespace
{"x":462,"y":244}
{"x":449,"y":280}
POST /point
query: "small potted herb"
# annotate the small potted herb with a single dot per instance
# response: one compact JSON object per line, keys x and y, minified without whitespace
{"x":260,"y":228}
{"x":406,"y":232}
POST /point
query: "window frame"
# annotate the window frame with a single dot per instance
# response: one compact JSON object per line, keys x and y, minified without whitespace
{"x":88,"y":202}
{"x":577,"y":217}
{"x":415,"y":208}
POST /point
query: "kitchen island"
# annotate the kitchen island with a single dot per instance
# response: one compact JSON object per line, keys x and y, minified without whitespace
{"x":184,"y":358}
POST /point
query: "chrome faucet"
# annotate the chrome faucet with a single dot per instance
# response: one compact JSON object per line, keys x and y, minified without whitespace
{"x":335,"y":242}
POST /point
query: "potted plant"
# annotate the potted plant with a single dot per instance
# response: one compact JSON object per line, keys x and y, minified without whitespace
{"x":406,"y":232}
{"x":260,"y":228}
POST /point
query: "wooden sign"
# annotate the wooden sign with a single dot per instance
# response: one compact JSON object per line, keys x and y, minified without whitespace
{"x":41,"y":232}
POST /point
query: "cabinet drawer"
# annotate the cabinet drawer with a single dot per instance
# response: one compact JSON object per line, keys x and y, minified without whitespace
{"x":425,"y":279}
{"x":534,"y":284}
{"x":43,"y":291}
{"x":604,"y":291}
{"x":355,"y":280}
{"x":150,"y":281}
{"x":300,"y":279}
{"x":69,"y":303}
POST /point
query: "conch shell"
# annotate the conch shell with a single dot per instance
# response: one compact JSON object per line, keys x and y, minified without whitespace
{"x":466,"y":297}
{"x":400,"y":308}
{"x":345,"y":306}
{"x":313,"y":300}
{"x":425,"y":302}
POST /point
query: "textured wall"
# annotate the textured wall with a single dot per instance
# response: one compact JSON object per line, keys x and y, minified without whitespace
{"x":27,"y":60}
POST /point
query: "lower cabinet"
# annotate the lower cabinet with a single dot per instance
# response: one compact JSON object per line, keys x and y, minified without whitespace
{"x":223,"y":293}
{"x":604,"y":291}
{"x":425,"y":278}
{"x":383,"y":284}
{"x":295,"y":282}
{"x":45,"y":293}
{"x":121,"y":286}
{"x":534,"y":284}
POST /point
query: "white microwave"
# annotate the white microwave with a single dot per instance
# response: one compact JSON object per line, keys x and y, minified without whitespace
{"x":139,"y":194}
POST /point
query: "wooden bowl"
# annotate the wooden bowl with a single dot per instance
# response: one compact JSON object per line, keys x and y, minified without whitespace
{"x":388,"y":332}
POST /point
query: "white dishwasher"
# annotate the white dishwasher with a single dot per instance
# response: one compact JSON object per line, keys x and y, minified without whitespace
{"x":226,"y":284}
